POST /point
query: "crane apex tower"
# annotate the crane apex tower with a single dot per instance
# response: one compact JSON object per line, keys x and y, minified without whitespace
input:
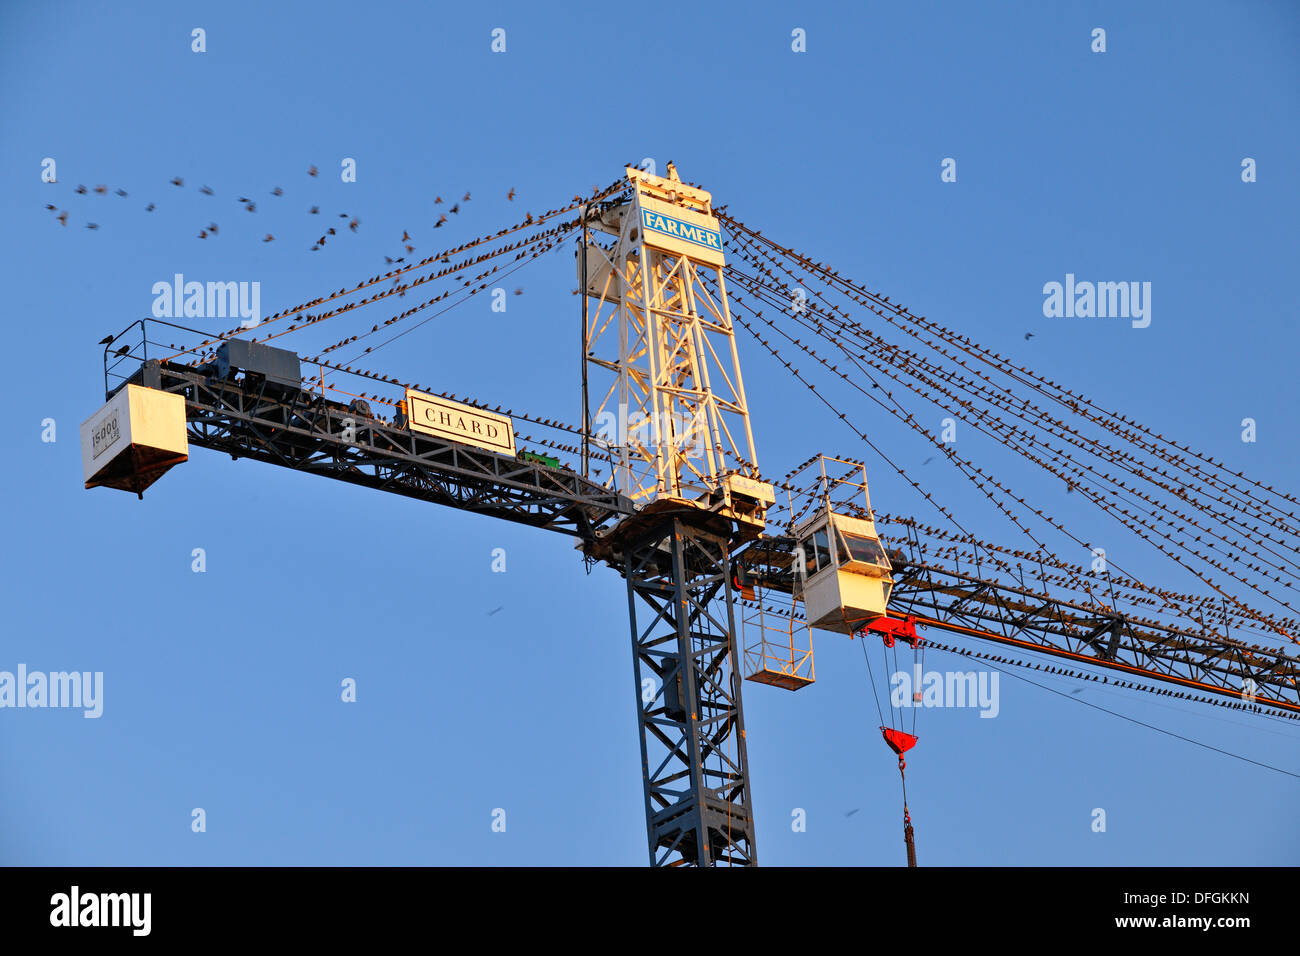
{"x":668,"y":396}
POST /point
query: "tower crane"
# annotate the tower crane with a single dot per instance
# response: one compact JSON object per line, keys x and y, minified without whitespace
{"x":727,"y":572}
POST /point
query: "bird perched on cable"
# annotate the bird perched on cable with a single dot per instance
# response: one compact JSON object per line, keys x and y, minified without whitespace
{"x":106,"y":340}
{"x":123,"y":350}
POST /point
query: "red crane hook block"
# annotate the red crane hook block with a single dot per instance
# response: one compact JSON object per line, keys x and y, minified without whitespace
{"x":899,"y":742}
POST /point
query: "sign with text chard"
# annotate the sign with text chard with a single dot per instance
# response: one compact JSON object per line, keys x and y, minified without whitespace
{"x":461,"y":423}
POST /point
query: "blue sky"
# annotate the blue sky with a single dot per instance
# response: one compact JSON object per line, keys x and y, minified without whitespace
{"x":222,"y":688}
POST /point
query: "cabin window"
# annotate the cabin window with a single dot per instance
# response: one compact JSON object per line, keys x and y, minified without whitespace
{"x":822,"y":549}
{"x":862,"y":549}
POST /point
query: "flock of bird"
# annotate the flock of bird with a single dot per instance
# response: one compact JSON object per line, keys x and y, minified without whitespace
{"x":249,"y":204}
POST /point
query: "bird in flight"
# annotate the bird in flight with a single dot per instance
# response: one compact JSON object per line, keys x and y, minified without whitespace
{"x":177,"y":181}
{"x":1028,"y":336}
{"x":511,"y":195}
{"x":312,"y":170}
{"x":206,"y":190}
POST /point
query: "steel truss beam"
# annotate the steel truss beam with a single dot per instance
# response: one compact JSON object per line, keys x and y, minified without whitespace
{"x":1010,"y":614}
{"x":693,"y":757}
{"x":298,"y":429}
{"x":1033,"y":620}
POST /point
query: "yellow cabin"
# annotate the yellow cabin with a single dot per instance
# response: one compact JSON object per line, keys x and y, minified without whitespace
{"x":845,"y":575}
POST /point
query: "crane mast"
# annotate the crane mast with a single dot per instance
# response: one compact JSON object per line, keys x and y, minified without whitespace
{"x":671,"y":415}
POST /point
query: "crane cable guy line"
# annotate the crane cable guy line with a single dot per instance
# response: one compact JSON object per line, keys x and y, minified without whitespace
{"x":728,"y":571}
